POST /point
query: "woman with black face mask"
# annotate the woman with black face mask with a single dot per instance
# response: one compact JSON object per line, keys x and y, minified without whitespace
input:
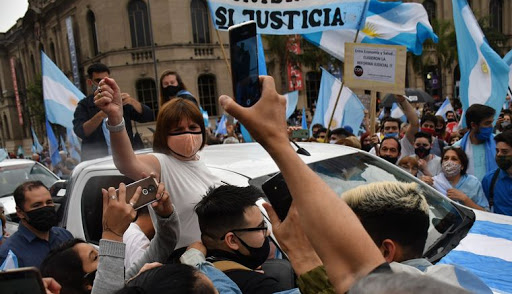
{"x":77,"y":265}
{"x":172,"y":86}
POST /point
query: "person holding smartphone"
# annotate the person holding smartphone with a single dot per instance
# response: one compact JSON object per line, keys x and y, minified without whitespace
{"x":81,"y":268}
{"x":180,"y":134}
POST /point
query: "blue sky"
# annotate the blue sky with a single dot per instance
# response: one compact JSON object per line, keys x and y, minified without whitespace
{"x":10,"y":11}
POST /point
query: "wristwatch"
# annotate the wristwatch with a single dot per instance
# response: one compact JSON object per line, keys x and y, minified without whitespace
{"x":117,"y":128}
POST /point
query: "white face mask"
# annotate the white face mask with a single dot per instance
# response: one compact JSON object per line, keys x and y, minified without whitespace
{"x":333,"y":141}
{"x":185,"y":144}
{"x":451,"y":169}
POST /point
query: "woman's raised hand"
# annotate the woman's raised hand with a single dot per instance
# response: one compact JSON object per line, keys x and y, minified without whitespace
{"x":108,"y":99}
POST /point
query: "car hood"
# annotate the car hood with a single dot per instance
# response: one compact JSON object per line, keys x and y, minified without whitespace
{"x":489,"y":243}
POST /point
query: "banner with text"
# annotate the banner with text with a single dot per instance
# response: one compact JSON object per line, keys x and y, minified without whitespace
{"x":375,"y":67}
{"x":287,"y":17}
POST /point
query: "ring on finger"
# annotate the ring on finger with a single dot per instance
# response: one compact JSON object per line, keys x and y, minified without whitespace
{"x":113,"y":197}
{"x":131,"y":203}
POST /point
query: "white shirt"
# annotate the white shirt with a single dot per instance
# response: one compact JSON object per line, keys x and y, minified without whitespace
{"x":136,"y":244}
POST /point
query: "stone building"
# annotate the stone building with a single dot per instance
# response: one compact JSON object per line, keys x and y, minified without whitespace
{"x":119,"y":34}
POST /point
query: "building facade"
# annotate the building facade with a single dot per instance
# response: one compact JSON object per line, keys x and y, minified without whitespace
{"x":139,"y":39}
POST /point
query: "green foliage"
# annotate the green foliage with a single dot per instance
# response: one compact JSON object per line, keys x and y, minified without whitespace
{"x":35,"y":101}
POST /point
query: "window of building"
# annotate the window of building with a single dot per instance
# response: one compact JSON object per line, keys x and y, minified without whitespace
{"x":496,"y":14}
{"x":430,"y":7}
{"x":312,"y":86}
{"x":139,"y":24}
{"x":93,"y":33}
{"x":200,"y":23}
{"x":53,"y":54}
{"x":207,"y":85}
{"x":33,"y":65}
{"x":146,"y":93}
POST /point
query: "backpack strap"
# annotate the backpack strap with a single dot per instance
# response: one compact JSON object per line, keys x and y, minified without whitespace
{"x":228,"y":265}
{"x":491,"y":188}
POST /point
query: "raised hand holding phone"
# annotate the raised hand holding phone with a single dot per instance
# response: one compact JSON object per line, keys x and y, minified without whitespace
{"x":243,"y":49}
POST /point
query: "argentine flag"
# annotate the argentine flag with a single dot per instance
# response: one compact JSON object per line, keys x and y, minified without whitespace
{"x":60,"y":95}
{"x":508,"y":61}
{"x":390,"y":23}
{"x":53,"y":145}
{"x":36,"y":146}
{"x":396,"y":112}
{"x":484,"y":76}
{"x":349,"y":111}
{"x":447,"y":106}
{"x":291,"y":102}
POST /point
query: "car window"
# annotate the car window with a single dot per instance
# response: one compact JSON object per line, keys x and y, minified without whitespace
{"x":92,"y":204}
{"x":346,"y":172}
{"x":13,"y":176}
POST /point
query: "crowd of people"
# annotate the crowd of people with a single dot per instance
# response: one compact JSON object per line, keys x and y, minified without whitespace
{"x":205,"y":236}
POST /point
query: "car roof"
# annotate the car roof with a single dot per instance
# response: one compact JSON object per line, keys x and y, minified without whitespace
{"x":248,"y":159}
{"x":12,"y":162}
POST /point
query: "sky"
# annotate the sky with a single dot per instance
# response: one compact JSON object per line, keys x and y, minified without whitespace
{"x":10,"y":12}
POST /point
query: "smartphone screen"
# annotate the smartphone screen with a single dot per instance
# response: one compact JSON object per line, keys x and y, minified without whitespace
{"x":278,"y":195}
{"x":23,"y":281}
{"x":244,"y":63}
{"x":148,"y":193}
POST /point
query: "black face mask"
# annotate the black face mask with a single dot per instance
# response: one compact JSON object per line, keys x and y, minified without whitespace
{"x":170,"y":91}
{"x":390,"y":159}
{"x":450,"y":120}
{"x":504,"y":162}
{"x":422,"y":151}
{"x":42,"y":219}
{"x":367,"y":148}
{"x":256,"y":257}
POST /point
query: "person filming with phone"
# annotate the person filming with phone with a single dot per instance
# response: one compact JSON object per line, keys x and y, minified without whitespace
{"x":180,"y":134}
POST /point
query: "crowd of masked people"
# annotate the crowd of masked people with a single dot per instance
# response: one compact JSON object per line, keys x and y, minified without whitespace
{"x":205,"y":236}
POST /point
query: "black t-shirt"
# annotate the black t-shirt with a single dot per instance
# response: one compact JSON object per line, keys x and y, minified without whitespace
{"x":252,"y":282}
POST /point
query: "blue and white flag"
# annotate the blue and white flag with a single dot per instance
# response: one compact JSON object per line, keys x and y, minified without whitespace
{"x":221,"y":127}
{"x":20,"y":152}
{"x":291,"y":102}
{"x":74,"y":145}
{"x":396,"y":112}
{"x":445,"y":107}
{"x":508,"y":61}
{"x":262,"y":62}
{"x":390,"y":23}
{"x":288,"y":17}
{"x":206,"y":119}
{"x":53,"y":145}
{"x":3,"y":154}
{"x":245,"y":134}
{"x":349,"y":110}
{"x":60,"y":95}
{"x":304,"y":119}
{"x":483,"y":74}
{"x":38,"y":148}
{"x":10,"y":262}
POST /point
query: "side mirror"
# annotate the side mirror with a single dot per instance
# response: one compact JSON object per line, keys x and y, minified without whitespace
{"x":58,"y":189}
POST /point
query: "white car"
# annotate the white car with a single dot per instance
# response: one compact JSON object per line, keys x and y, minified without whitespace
{"x":476,"y":240}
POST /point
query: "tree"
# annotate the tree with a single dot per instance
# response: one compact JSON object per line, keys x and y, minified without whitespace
{"x":35,"y":103}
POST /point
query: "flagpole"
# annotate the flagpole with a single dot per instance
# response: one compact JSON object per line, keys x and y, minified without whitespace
{"x":342,"y":84}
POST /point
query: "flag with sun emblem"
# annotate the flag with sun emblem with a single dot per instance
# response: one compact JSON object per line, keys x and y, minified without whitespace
{"x":349,"y":110}
{"x":390,"y":23}
{"x":483,"y":74}
{"x":60,"y":94}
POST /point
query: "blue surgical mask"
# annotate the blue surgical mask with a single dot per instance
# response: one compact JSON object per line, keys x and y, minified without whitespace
{"x":484,"y":134}
{"x":391,"y":135}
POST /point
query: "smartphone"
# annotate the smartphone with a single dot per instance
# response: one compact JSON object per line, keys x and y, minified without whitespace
{"x":278,"y":195}
{"x":243,"y":50}
{"x":300,"y":134}
{"x":25,"y":280}
{"x":148,"y":193}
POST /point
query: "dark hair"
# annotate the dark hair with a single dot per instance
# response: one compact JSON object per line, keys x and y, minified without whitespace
{"x":320,"y":130}
{"x":394,"y":139}
{"x":178,"y":79}
{"x":65,"y":266}
{"x":97,"y":68}
{"x":319,"y":126}
{"x":450,"y":111}
{"x":19,"y":192}
{"x":169,"y":279}
{"x":169,"y":116}
{"x":505,"y":137}
{"x":390,"y":119}
{"x":423,"y":135}
{"x":476,"y":113}
{"x":340,"y":131}
{"x":222,"y":209}
{"x":460,"y":154}
{"x":430,"y":118}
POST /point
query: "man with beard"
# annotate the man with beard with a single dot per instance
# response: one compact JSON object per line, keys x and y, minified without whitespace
{"x":390,"y":149}
{"x":478,"y":143}
{"x":37,"y":233}
{"x":236,"y":236}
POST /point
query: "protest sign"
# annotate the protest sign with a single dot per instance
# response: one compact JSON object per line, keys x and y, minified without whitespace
{"x":287,"y":17}
{"x":375,"y":67}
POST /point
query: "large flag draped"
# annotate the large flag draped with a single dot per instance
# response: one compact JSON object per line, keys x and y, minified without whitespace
{"x":508,"y":61}
{"x":483,"y":74}
{"x":60,"y":95}
{"x":391,"y":23}
{"x":349,"y":111}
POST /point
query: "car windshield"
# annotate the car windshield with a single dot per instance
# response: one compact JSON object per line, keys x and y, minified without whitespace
{"x":346,"y":172}
{"x":14,"y":175}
